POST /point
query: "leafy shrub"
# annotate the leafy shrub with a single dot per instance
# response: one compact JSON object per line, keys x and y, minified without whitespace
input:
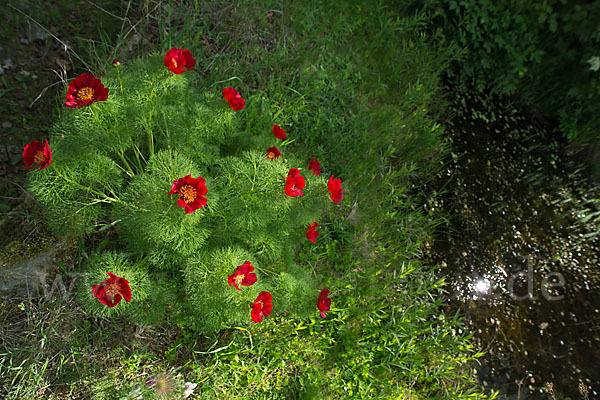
{"x":539,"y":50}
{"x":114,"y":164}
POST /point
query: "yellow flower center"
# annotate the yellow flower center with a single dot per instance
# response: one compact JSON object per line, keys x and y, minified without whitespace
{"x":188,"y":193}
{"x":39,"y":157}
{"x":271,"y":155}
{"x":174,"y":62}
{"x":111,"y":289}
{"x":239,"y":279}
{"x":85,"y":94}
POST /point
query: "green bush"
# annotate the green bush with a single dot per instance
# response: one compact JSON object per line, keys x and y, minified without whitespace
{"x":113,"y":165}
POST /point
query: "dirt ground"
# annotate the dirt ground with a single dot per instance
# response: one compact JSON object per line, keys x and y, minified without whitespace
{"x":43,"y":44}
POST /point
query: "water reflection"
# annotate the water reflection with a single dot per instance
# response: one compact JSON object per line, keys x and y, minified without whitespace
{"x":519,"y":252}
{"x":482,"y":286}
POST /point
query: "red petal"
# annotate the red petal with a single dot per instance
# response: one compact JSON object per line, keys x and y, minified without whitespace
{"x":116,"y":300}
{"x":278,"y":132}
{"x":266,"y":310}
{"x":255,"y":313}
{"x":266,"y":297}
{"x":335,"y":188}
{"x":290,"y":191}
{"x":47,"y":154}
{"x":324,"y":302}
{"x":245,"y":268}
{"x":30,"y":151}
{"x":198,"y":202}
{"x":81,"y":81}
{"x":104,"y":95}
{"x":249,"y":280}
{"x":112,"y":276}
{"x":181,"y":203}
{"x":189,"y":60}
{"x":169,"y":55}
{"x":315,"y":166}
{"x":124,"y":289}
{"x":189,"y":209}
{"x":231,"y":279}
{"x":108,"y":301}
{"x":235,"y":100}
{"x":238,"y":104}
{"x":97,"y":290}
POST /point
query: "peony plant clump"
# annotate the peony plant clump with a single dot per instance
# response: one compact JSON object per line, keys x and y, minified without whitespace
{"x":206,"y":212}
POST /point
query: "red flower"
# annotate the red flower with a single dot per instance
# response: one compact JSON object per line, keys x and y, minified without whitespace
{"x":37,"y":153}
{"x":111,"y":290}
{"x":116,"y":63}
{"x":85,"y":90}
{"x":243,"y":276}
{"x":191,"y":192}
{"x":273,"y":153}
{"x":179,"y":61}
{"x":278,"y":132}
{"x":233,"y":98}
{"x":262,"y":306}
{"x":315,"y":166}
{"x":335,"y":188}
{"x":324,"y":302}
{"x":311,"y":234}
{"x":294,"y":183}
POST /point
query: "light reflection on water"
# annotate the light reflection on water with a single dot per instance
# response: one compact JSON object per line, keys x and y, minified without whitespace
{"x":518,"y":258}
{"x":482,"y":286}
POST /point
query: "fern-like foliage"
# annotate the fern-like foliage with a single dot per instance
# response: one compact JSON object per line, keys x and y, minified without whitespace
{"x":114,"y":163}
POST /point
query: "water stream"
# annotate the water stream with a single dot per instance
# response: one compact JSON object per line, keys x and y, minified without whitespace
{"x":520,"y":249}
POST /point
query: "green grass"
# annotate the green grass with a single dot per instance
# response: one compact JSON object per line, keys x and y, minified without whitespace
{"x":356,"y":84}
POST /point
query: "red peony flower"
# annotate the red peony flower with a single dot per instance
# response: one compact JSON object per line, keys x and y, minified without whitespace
{"x":112,"y":290}
{"x":243,"y":276}
{"x":85,"y":90}
{"x":262,"y":306}
{"x":273,"y":153}
{"x":315,"y":166}
{"x":179,"y":61}
{"x":324,"y":303}
{"x":233,"y":98}
{"x":278,"y":132}
{"x":311,"y":234}
{"x":191,"y":192}
{"x":37,"y":153}
{"x":294,"y":183}
{"x":335,"y":188}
